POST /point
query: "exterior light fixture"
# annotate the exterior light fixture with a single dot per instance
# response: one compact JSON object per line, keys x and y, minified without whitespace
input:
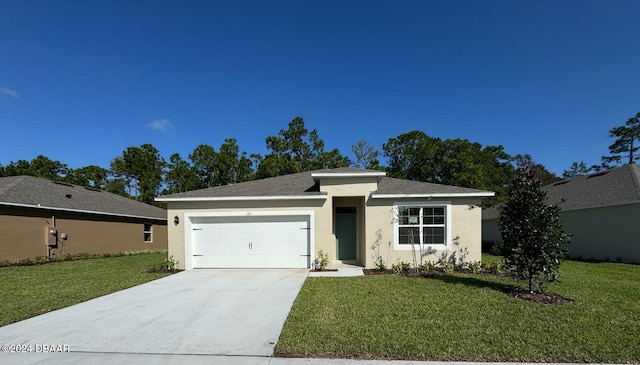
{"x":176,"y":220}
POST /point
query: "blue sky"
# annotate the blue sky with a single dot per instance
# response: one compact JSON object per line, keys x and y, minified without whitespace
{"x":80,"y":81}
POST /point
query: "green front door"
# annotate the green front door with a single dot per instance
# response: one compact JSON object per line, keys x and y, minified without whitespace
{"x":346,"y":233}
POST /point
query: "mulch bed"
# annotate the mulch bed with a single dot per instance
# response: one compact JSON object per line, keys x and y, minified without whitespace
{"x":541,"y":298}
{"x":161,"y":271}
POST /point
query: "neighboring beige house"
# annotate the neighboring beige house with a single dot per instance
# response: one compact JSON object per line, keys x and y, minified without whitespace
{"x":42,"y":218}
{"x":601,"y":210}
{"x":283,"y":222}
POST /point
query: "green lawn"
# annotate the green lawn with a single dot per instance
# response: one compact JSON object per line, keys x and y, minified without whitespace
{"x":27,"y":291}
{"x":468,"y":317}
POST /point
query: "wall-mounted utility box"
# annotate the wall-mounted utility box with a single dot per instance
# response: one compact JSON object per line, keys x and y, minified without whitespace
{"x":50,"y":236}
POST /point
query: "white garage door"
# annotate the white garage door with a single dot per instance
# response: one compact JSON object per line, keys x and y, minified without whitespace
{"x":250,"y":242}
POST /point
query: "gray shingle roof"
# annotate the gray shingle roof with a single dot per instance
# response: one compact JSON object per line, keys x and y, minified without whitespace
{"x":35,"y":192}
{"x":303,"y":184}
{"x":389,"y":185}
{"x":619,"y":185}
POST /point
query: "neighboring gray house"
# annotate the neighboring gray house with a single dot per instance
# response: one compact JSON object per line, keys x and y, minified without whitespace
{"x":601,"y":210}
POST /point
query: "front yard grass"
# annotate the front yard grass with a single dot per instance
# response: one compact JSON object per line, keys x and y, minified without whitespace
{"x":27,"y":291}
{"x":467,"y":317}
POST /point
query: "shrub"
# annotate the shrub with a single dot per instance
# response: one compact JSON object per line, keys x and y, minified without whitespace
{"x":380,"y":264}
{"x":496,"y":268}
{"x":475,"y":267}
{"x":401,"y":267}
{"x":448,"y":267}
{"x":427,"y":266}
{"x":321,"y":262}
{"x":170,"y":263}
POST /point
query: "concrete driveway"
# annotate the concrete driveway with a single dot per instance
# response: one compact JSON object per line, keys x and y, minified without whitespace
{"x":196,"y":312}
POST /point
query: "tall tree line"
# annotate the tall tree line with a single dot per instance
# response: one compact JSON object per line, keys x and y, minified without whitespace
{"x":142,"y":173}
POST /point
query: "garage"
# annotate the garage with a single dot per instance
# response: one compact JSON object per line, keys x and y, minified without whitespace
{"x":249,"y":241}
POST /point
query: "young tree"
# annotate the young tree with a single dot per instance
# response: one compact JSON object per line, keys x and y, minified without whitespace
{"x":627,"y":143}
{"x":534,"y":241}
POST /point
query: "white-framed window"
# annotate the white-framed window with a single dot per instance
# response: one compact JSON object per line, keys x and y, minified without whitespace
{"x":422,"y":224}
{"x":148,"y":229}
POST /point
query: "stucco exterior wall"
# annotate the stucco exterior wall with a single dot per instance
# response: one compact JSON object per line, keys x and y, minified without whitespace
{"x":23,"y":233}
{"x":348,"y":186}
{"x":466,"y":231}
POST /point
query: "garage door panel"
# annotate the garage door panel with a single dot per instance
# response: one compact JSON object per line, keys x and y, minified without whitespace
{"x":250,"y":242}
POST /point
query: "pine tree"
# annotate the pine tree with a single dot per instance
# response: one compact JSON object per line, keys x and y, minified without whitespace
{"x":627,"y":143}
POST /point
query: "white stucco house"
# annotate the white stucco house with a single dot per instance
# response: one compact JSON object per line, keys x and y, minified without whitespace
{"x":284,"y":221}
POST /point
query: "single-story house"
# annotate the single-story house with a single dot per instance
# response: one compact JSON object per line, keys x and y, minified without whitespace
{"x":44,"y":218}
{"x":601,"y":211}
{"x":352,"y":215}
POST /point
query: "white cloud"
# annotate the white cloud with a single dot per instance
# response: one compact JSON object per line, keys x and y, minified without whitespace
{"x":160,"y":125}
{"x":9,"y":92}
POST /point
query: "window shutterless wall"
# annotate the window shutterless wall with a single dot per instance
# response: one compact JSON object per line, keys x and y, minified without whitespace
{"x":465,"y":217}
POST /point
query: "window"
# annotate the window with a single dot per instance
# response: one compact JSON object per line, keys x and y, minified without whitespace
{"x":422,"y":224}
{"x":147,"y":233}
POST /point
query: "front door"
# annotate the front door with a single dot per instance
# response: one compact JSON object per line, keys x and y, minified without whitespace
{"x":346,"y":228}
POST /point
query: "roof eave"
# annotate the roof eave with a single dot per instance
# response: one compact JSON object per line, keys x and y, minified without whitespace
{"x":484,"y":194}
{"x":38,"y":206}
{"x":243,"y":198}
{"x":344,"y":175}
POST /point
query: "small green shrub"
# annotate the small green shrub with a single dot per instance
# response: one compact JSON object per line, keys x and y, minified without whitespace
{"x":380,"y":264}
{"x":496,"y":268}
{"x":322,"y":261}
{"x":427,"y":266}
{"x":401,"y":267}
{"x":448,"y":268}
{"x":170,"y":263}
{"x":475,"y":267}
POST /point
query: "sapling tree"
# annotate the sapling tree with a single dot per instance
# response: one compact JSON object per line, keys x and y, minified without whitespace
{"x":534,"y":241}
